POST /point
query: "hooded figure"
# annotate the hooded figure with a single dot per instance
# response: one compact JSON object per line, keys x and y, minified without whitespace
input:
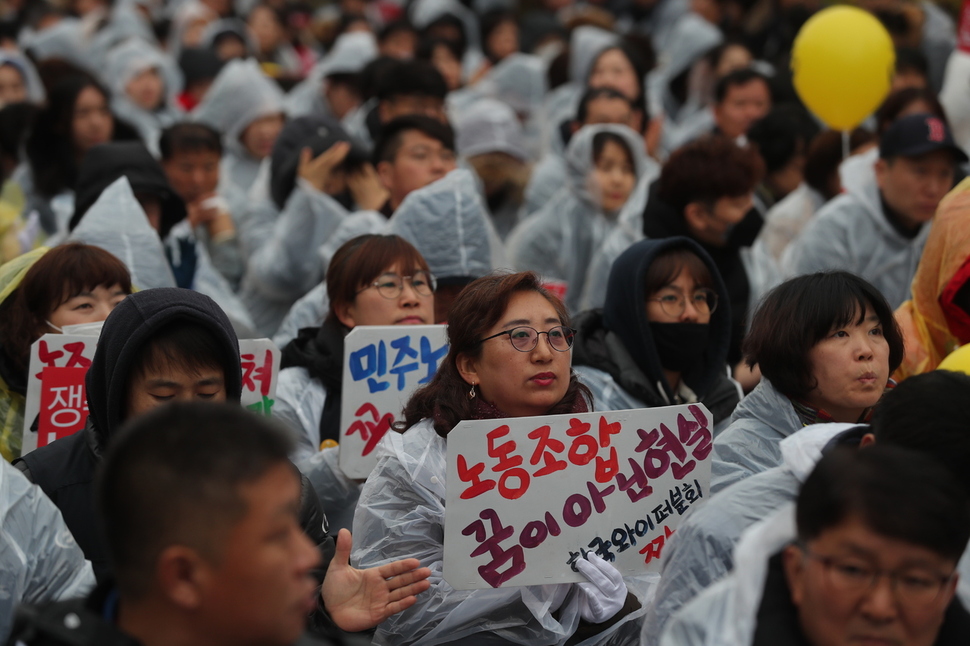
{"x":937,"y":319}
{"x":351,"y":52}
{"x":39,"y":558}
{"x":104,"y":164}
{"x":615,"y":353}
{"x":32,"y":83}
{"x":124,"y":63}
{"x":426,"y":12}
{"x":240,"y":95}
{"x":559,"y":241}
{"x":65,"y":469}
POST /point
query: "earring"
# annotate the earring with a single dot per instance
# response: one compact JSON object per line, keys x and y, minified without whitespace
{"x":471,"y":393}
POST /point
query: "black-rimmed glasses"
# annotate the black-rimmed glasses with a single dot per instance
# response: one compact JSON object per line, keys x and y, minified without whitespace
{"x":525,"y":338}
{"x":391,"y":285}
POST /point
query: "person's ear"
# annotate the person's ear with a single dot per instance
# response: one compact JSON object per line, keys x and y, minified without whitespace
{"x":181,"y":575}
{"x":867,"y":440}
{"x":467,"y":368}
{"x":793,"y":563}
{"x":385,"y":173}
{"x":882,"y":172}
{"x":384,"y":111}
{"x":695,"y":214}
{"x":345,"y":314}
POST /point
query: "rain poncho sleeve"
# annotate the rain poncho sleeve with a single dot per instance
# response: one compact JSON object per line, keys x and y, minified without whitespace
{"x":338,"y":494}
{"x":309,"y":311}
{"x":39,"y":558}
{"x":750,"y":444}
{"x":852,"y":233}
{"x":288,"y":264}
{"x":401,"y":514}
{"x":299,"y":405}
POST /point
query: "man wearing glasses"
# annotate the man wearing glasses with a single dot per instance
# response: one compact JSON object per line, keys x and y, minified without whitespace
{"x":878,"y":534}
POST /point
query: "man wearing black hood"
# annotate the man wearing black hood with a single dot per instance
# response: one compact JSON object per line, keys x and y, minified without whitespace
{"x":631,"y":358}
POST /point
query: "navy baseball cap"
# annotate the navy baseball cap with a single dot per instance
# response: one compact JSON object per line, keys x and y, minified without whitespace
{"x":918,"y":134}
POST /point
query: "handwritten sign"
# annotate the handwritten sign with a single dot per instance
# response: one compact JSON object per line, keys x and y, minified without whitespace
{"x":59,"y":363}
{"x":383,"y":366}
{"x":528,"y":496}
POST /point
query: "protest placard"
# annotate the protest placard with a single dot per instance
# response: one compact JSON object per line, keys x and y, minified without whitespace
{"x":614,"y":483}
{"x":383,"y":365}
{"x":57,"y":402}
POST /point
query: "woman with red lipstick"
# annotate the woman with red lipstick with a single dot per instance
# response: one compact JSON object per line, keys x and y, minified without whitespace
{"x":509,"y":356}
{"x":826,"y":344}
{"x":662,"y":336}
{"x":372,"y":280}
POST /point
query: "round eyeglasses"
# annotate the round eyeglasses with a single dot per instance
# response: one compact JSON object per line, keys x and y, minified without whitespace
{"x":674,"y":305}
{"x":915,"y":586}
{"x":525,"y":338}
{"x":391,"y":285}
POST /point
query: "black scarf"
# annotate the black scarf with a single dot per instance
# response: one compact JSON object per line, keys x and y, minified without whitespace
{"x":321,"y":351}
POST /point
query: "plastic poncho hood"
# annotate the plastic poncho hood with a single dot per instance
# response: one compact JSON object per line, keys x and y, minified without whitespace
{"x":240,"y":95}
{"x":580,"y":162}
{"x":32,"y":82}
{"x":448,"y":224}
{"x":129,"y":327}
{"x":488,"y":126}
{"x":933,"y":324}
{"x":117,"y":224}
{"x":585,"y":46}
{"x":134,"y":56}
{"x":625,"y":314}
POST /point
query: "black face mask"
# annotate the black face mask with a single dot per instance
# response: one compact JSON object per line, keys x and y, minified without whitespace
{"x":679,"y":345}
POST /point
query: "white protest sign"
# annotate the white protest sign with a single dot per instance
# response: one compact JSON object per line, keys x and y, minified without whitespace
{"x":383,"y":366}
{"x":59,"y":363}
{"x":614,"y":483}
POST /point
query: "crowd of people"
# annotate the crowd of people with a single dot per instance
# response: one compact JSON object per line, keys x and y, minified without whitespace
{"x":612,"y":204}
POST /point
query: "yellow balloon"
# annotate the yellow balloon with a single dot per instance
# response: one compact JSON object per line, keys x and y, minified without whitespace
{"x":842,"y":65}
{"x":958,"y":360}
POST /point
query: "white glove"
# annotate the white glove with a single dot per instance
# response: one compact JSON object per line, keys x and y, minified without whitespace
{"x":604,"y":594}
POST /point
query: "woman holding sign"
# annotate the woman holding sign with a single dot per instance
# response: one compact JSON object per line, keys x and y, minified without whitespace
{"x":509,"y":356}
{"x":41,"y":292}
{"x":662,"y":336}
{"x":372,"y":280}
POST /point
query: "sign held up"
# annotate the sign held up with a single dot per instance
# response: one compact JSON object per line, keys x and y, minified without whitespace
{"x":615,"y":483}
{"x":383,"y":366}
{"x":59,"y":363}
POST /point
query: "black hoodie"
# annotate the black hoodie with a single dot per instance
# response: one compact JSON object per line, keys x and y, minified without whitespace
{"x":104,"y":164}
{"x":618,"y":339}
{"x":65,"y":469}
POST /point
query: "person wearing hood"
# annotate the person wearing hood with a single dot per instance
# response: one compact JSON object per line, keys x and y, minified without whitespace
{"x":603,"y":163}
{"x":450,"y":20}
{"x":199,"y":68}
{"x":144,"y":86}
{"x":662,"y":335}
{"x":936,"y":320}
{"x":275,"y":54}
{"x":879,"y":232}
{"x":333,"y":86}
{"x":812,"y":573}
{"x":489,"y":140}
{"x":41,"y":292}
{"x":163,"y":344}
{"x":19,"y":81}
{"x":826,"y":344}
{"x":927,"y":414}
{"x":247,"y":108}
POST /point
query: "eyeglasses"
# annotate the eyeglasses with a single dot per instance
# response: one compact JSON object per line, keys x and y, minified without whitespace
{"x":704,"y":301}
{"x":912,"y":586}
{"x":525,"y":338}
{"x":391,"y":285}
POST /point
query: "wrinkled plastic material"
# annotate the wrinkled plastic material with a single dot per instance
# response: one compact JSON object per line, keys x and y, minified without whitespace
{"x":852,"y":233}
{"x":751,"y":443}
{"x":559,"y":241}
{"x":689,"y":38}
{"x":401,"y":513}
{"x":488,"y":126}
{"x":350,"y":53}
{"x":117,"y":224}
{"x":309,"y":311}
{"x":448,"y":224}
{"x":299,"y":405}
{"x":702,"y":550}
{"x":39,"y":558}
{"x":64,"y":39}
{"x":338,"y":494}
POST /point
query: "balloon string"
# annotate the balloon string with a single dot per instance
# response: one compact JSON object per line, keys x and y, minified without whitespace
{"x":845,"y":144}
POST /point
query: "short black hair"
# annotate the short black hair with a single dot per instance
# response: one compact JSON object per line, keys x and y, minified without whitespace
{"x":899,"y":100}
{"x":910,"y":59}
{"x":392,"y":134}
{"x":426,"y":47}
{"x":783,"y":133}
{"x":182,"y":344}
{"x":394,"y":27}
{"x":593,"y":94}
{"x":189,"y":137}
{"x":929,"y":413}
{"x":735,"y":78}
{"x":896,"y":493}
{"x":708,"y":169}
{"x":799,"y":313}
{"x":410,"y":78}
{"x":172,"y":476}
